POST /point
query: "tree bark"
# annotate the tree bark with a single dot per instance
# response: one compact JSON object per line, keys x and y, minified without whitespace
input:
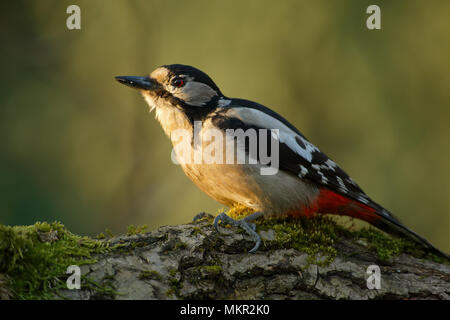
{"x":193,"y":261}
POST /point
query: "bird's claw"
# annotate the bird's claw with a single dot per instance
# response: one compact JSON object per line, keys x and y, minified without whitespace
{"x":217,"y":219}
{"x":244,"y":223}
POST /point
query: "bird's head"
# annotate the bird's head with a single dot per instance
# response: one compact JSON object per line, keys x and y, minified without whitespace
{"x":176,"y":85}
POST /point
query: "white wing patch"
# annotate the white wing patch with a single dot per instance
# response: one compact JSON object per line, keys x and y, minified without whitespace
{"x":223,"y":102}
{"x":303,"y":171}
{"x":288,"y":136}
{"x":331,"y":164}
{"x":341,"y":183}
{"x":312,"y":164}
{"x":363,"y":199}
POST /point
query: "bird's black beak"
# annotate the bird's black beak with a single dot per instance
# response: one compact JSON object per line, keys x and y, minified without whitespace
{"x":142,"y":83}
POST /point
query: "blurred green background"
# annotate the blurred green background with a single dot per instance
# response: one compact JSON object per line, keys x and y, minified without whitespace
{"x":78,"y":147}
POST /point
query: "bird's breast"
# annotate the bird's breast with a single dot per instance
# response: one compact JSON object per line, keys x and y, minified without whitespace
{"x":210,"y":160}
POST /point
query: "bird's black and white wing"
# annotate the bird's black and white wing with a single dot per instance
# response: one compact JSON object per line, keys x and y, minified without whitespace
{"x":296,"y":154}
{"x":300,"y":157}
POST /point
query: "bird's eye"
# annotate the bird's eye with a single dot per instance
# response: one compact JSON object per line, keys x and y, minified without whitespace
{"x":178,"y":82}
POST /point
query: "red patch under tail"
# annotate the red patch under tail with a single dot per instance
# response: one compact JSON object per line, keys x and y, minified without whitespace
{"x":331,"y":202}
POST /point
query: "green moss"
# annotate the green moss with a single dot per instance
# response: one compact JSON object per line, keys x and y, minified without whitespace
{"x":314,"y":236}
{"x":109,"y":233}
{"x":203,"y":216}
{"x":197,"y":274}
{"x":173,"y":272}
{"x":5,"y":288}
{"x":36,"y":257}
{"x":387,"y":246}
{"x":102,"y":291}
{"x":212,"y":270}
{"x":175,"y":283}
{"x":100,"y":236}
{"x":238,"y":212}
{"x":317,"y":237}
{"x":180,"y":245}
{"x":196,"y":231}
{"x":132,"y":229}
{"x":150,"y":275}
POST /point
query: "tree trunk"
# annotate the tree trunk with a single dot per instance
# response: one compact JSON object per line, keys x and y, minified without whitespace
{"x":194,"y":261}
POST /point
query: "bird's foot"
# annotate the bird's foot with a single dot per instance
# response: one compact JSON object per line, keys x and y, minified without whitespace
{"x":244,"y":223}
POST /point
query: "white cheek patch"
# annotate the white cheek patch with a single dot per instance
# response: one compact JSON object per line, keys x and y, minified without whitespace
{"x":194,"y":93}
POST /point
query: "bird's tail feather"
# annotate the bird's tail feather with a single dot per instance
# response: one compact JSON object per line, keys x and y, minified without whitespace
{"x":371,"y":212}
{"x":388,"y":223}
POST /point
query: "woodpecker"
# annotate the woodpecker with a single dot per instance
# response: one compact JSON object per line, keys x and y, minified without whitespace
{"x":307,"y":181}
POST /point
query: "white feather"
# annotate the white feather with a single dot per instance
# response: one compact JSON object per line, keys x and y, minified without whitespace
{"x":287,"y":135}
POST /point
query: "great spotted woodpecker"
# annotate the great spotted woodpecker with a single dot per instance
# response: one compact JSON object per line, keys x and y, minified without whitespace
{"x":307,"y":181}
